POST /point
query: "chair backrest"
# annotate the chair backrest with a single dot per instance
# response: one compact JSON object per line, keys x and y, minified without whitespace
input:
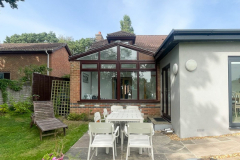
{"x":140,"y":128}
{"x":114,"y":108}
{"x":105,"y":112}
{"x":96,"y":128}
{"x":132,"y":107}
{"x":97,"y":117}
{"x":43,"y":110}
{"x":237,"y":98}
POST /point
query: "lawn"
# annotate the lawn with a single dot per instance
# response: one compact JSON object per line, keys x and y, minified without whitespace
{"x":19,"y":141}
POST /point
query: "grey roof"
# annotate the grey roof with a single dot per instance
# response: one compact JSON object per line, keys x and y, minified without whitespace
{"x":12,"y":47}
{"x":191,"y":35}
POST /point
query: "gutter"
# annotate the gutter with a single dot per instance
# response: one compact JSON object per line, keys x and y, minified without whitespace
{"x":47,"y":62}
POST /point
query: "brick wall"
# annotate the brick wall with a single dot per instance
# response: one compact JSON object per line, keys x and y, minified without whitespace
{"x":13,"y":62}
{"x":145,"y":57}
{"x":147,"y":108}
{"x":74,"y":82}
{"x":59,"y":63}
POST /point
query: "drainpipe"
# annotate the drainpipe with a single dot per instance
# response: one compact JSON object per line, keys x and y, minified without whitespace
{"x":47,"y":61}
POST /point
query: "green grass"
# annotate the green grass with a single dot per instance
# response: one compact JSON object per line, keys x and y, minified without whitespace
{"x":19,"y":141}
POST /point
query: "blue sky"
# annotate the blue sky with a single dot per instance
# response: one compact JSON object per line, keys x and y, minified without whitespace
{"x":84,"y":18}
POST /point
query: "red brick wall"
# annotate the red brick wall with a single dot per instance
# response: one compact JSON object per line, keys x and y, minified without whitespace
{"x":91,"y":108}
{"x":13,"y":62}
{"x":145,"y":57}
{"x":59,"y":63}
{"x":74,"y":82}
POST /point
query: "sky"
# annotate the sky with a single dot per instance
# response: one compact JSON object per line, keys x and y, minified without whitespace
{"x":85,"y":18}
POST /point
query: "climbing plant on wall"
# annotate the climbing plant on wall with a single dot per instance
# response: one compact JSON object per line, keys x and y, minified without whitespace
{"x":14,"y":85}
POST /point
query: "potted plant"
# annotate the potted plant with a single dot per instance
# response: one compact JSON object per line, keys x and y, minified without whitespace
{"x":35,"y":97}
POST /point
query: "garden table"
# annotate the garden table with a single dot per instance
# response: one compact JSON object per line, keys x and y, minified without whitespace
{"x":125,"y":115}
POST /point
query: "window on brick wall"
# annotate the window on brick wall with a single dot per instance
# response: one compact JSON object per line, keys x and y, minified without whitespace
{"x":4,"y":75}
{"x":117,"y":75}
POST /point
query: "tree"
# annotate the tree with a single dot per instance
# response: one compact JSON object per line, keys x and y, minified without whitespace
{"x":32,"y":38}
{"x":126,"y":24}
{"x":13,"y":3}
{"x":77,"y":46}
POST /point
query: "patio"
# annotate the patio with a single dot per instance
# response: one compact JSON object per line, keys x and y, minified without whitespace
{"x":164,"y":149}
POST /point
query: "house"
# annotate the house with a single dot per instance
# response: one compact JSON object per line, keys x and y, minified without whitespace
{"x":190,"y":77}
{"x":118,"y":70}
{"x":200,"y":97}
{"x":14,"y":56}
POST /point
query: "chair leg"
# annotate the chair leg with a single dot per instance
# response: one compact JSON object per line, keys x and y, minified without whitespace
{"x":113,"y":153}
{"x":235,"y":111}
{"x":64,"y":131}
{"x":152,"y":153}
{"x":127,"y":153}
{"x":89,"y":149}
{"x":96,"y":151}
{"x":115,"y":147}
{"x":122,"y":141}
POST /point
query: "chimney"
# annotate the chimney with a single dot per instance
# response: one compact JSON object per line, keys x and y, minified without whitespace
{"x":98,"y":37}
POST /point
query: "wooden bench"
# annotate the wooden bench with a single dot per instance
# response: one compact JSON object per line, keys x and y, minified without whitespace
{"x":44,"y":118}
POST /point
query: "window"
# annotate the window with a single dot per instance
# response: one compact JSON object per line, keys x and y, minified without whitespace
{"x":89,"y":66}
{"x":128,"y":85}
{"x":108,"y":66}
{"x":127,"y":54}
{"x":109,"y":54}
{"x":112,"y":78}
{"x":234,"y":91}
{"x":93,"y":56}
{"x":4,"y":75}
{"x":128,"y":66}
{"x":147,"y":85}
{"x":147,"y":66}
{"x":108,"y":85}
{"x":89,"y":85}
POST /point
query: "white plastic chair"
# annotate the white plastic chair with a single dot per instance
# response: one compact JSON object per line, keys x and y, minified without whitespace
{"x":140,"y":136}
{"x":135,"y":107}
{"x":97,"y":117}
{"x":102,"y":135}
{"x":132,"y":107}
{"x":105,"y":113}
{"x":115,"y":108}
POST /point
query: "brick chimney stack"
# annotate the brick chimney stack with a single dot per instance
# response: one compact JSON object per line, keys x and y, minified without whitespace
{"x":98,"y":37}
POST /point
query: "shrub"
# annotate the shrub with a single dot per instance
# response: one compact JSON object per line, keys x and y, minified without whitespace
{"x":4,"y":108}
{"x":77,"y":117}
{"x":21,"y":106}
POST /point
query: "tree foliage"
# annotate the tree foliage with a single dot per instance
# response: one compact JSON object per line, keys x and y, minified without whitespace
{"x":76,"y":46}
{"x":126,"y":24}
{"x":13,"y":3}
{"x":32,"y":38}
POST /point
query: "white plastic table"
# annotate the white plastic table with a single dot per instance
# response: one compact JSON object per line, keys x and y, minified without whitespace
{"x":122,"y":115}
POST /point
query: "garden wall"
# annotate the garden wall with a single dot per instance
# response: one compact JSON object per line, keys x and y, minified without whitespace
{"x":18,"y":95}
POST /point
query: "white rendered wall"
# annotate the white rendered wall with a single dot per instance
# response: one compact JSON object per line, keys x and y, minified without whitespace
{"x":172,"y":58}
{"x":204,"y":109}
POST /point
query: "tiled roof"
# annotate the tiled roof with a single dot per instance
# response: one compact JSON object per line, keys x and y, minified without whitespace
{"x":120,"y":34}
{"x":148,"y":42}
{"x":31,"y":46}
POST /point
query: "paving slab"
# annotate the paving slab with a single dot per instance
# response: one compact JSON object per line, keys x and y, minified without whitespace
{"x":163,"y":147}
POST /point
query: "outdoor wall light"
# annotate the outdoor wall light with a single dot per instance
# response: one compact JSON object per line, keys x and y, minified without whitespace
{"x":175,"y":69}
{"x":191,"y":65}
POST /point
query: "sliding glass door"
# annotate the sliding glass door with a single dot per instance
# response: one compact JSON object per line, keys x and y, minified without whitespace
{"x":234,"y":91}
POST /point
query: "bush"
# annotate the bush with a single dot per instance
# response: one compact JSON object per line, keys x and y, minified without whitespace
{"x":21,"y":106}
{"x":77,"y":117}
{"x":4,"y":108}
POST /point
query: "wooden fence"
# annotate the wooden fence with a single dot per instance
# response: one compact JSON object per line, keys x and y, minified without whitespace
{"x":42,"y":85}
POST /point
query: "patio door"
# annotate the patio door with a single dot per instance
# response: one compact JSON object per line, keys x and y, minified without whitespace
{"x":166,"y":93}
